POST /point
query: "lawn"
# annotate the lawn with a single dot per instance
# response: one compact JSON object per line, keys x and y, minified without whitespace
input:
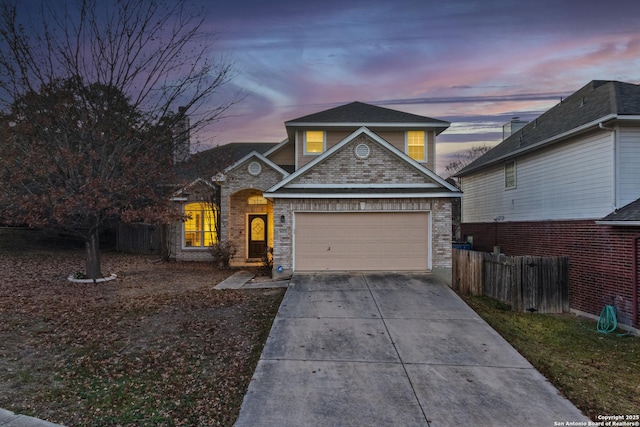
{"x":158,"y":346}
{"x":598,"y":372}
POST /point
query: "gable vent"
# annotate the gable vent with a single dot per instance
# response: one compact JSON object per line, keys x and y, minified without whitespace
{"x":362,"y":151}
{"x":254,"y":168}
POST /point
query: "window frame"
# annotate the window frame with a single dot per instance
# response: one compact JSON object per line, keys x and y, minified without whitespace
{"x":511,"y":164}
{"x":425,"y":143}
{"x":201,"y":230}
{"x":304,"y":142}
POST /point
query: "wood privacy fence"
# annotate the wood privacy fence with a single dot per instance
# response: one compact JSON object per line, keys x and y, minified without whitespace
{"x":139,"y":238}
{"x":524,"y":282}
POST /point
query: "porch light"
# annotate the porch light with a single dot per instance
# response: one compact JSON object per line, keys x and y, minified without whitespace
{"x":282,"y":219}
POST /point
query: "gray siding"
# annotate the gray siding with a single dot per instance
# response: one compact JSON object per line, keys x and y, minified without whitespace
{"x":628,"y":154}
{"x":572,"y":180}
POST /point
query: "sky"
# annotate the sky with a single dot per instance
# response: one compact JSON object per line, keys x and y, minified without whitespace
{"x":474,"y":63}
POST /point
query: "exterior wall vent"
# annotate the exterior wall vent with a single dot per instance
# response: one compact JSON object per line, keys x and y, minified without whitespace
{"x":362,"y":151}
{"x":254,"y":168}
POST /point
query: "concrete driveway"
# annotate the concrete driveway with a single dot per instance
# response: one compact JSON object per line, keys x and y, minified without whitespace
{"x":391,"y":350}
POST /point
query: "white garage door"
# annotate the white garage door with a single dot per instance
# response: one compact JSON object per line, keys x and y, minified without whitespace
{"x":378,"y":241}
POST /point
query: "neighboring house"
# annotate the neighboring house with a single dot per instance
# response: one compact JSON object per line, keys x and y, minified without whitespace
{"x":352,"y":188}
{"x":568,"y":183}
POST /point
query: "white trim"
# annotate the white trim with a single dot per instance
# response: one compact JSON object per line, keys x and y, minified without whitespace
{"x":542,"y":143}
{"x":304,"y":142}
{"x":365,"y":185}
{"x":177,"y":195}
{"x":430,"y":248}
{"x":619,"y":223}
{"x":425,"y":143}
{"x":262,"y":158}
{"x":203,"y":231}
{"x":363,"y":130}
{"x":404,"y":125}
{"x":515,"y":175}
{"x":360,"y":196}
{"x":280,"y":145}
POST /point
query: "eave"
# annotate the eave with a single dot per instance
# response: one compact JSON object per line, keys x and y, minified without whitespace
{"x":545,"y":142}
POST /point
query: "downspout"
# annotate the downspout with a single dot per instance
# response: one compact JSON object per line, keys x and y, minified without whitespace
{"x":615,"y":163}
{"x":634,"y":294}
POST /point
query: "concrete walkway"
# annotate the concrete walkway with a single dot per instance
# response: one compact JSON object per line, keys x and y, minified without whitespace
{"x":392,"y":350}
{"x":9,"y":419}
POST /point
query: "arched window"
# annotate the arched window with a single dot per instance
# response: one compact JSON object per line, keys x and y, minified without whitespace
{"x":200,"y":226}
{"x":256,"y":200}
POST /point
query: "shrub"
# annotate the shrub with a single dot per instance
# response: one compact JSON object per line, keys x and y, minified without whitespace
{"x":222,"y":252}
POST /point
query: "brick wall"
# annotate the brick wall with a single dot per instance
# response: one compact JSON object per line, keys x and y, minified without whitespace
{"x":600,"y":257}
{"x":379,"y":167}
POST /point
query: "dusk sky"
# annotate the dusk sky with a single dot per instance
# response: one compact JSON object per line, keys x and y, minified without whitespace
{"x":474,"y":63}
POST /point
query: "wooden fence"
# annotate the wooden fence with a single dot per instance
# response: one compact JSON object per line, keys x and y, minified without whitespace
{"x":139,"y":238}
{"x":524,"y":282}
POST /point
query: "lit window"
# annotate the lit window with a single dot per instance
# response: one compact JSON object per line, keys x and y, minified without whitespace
{"x":200,"y":225}
{"x":416,"y":145}
{"x":510,"y":174}
{"x":256,"y":200}
{"x":313,"y":142}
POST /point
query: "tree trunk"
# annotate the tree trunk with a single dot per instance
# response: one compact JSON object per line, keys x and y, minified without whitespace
{"x":92,"y":251}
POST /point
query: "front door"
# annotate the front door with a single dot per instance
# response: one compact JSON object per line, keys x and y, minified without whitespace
{"x":257,"y":236}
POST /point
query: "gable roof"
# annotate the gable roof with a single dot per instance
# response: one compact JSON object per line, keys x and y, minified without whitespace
{"x":209,"y":162}
{"x":440,"y":188}
{"x":597,"y":102}
{"x":628,"y":215}
{"x":256,"y":155}
{"x":359,"y":112}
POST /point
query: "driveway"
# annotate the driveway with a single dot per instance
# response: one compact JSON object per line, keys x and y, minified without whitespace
{"x":391,"y":350}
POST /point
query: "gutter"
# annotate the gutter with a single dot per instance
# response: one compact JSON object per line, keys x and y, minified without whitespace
{"x":634,"y":282}
{"x":619,"y":223}
{"x":544,"y":142}
{"x":614,"y":182}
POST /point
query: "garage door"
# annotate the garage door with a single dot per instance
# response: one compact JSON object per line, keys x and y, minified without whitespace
{"x":361,"y":241}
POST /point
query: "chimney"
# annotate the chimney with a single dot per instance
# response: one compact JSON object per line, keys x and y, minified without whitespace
{"x":512,"y":127}
{"x":182,"y":147}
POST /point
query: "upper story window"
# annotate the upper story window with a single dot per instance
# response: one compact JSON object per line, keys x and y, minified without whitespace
{"x":416,"y":145}
{"x":314,"y":142}
{"x":510,"y":174}
{"x":200,"y":226}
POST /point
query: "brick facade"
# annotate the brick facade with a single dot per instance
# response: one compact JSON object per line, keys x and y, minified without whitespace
{"x":601,"y":270}
{"x":379,"y":167}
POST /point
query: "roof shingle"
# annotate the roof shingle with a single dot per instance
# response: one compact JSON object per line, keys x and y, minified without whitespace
{"x":361,"y":113}
{"x":596,"y":100}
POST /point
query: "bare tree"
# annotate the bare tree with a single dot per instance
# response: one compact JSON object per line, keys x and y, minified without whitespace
{"x":465,"y":158}
{"x":93,"y":98}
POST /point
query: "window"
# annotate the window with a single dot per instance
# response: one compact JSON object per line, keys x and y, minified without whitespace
{"x":510,"y":174}
{"x":313,"y":142}
{"x":416,"y":145}
{"x":200,"y":226}
{"x":256,"y":200}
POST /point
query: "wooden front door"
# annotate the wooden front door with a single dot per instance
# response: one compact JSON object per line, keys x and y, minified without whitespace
{"x":257,"y":236}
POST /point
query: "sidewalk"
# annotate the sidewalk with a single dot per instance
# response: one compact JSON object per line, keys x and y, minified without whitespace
{"x":9,"y":419}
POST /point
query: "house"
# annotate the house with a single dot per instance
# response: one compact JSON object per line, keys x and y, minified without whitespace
{"x":568,"y":183}
{"x":350,"y":188}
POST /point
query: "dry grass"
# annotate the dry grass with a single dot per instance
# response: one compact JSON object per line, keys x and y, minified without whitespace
{"x":598,"y":373}
{"x":159,"y":346}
